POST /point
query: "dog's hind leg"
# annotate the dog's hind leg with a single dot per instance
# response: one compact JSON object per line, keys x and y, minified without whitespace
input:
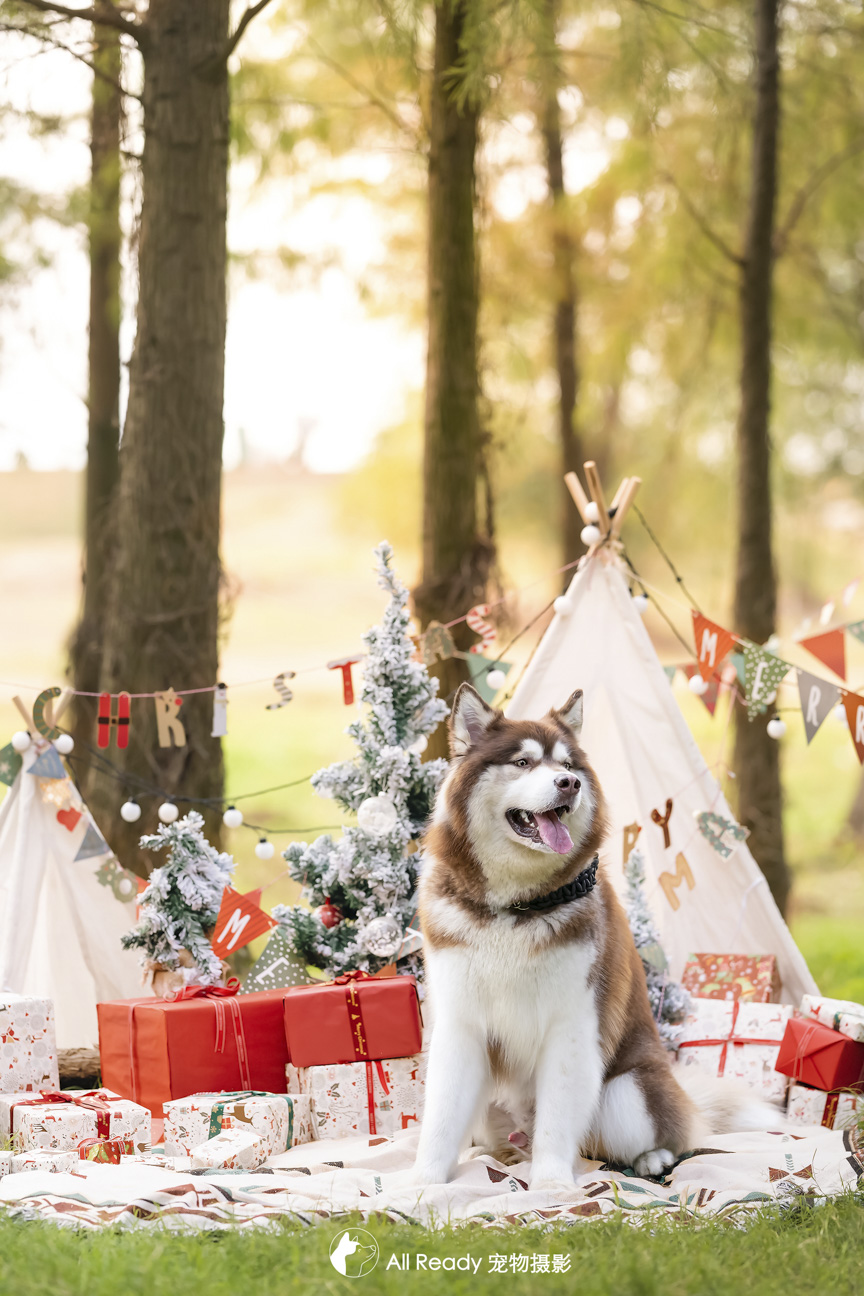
{"x":643,"y":1120}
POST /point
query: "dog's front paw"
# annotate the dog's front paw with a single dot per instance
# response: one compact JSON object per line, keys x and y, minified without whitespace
{"x":654,"y":1163}
{"x":554,"y":1178}
{"x":425,"y":1174}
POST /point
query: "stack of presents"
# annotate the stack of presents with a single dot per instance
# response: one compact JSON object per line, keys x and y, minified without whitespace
{"x":810,"y":1059}
{"x":237,"y":1079}
{"x":234,"y":1078}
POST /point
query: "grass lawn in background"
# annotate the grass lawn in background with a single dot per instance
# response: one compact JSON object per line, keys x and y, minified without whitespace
{"x":814,"y":1252}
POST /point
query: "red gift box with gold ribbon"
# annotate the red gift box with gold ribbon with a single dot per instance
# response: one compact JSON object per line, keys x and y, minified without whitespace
{"x":356,"y":1018}
{"x":816,"y":1055}
{"x":205,"y":1039}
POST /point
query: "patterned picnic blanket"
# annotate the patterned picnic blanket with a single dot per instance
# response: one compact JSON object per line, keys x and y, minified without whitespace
{"x":327,"y":1180}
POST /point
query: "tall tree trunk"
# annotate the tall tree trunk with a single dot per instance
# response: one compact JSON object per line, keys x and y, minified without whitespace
{"x":757,"y":757}
{"x":103,"y":400}
{"x":163,"y":611}
{"x":456,"y":557}
{"x":565,"y":303}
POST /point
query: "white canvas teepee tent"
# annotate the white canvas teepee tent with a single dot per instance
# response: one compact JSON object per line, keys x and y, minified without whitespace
{"x":638,"y":742}
{"x":64,"y":902}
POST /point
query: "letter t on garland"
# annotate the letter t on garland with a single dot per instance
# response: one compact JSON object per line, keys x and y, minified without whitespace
{"x":344,"y":664}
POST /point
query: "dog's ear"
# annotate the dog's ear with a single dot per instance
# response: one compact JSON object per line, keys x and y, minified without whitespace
{"x":469,"y":719}
{"x":571,"y":712}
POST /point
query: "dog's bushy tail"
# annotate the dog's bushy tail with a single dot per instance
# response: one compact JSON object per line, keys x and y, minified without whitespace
{"x":726,"y":1106}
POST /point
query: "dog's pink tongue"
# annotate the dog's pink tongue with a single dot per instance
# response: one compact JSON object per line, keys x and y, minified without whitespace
{"x":553,"y":832}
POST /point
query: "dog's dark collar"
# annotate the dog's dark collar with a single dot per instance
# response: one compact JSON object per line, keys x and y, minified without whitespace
{"x":581,"y":886}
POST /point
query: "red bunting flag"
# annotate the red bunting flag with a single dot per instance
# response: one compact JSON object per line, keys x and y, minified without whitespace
{"x":830,"y":649}
{"x":854,"y":705}
{"x":711,"y":694}
{"x":239,"y":922}
{"x":712,"y":644}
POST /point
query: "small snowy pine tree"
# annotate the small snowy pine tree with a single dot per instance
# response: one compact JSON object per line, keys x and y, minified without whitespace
{"x":669,"y":1000}
{"x":370,"y":874}
{"x":181,"y":902}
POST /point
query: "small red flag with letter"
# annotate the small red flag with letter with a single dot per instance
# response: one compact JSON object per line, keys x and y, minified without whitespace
{"x":854,"y":705}
{"x":239,"y":922}
{"x":712,"y":644}
{"x":830,"y":649}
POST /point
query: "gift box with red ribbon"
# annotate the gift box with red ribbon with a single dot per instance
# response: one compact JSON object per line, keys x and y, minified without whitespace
{"x":750,"y":978}
{"x":815,"y":1055}
{"x":814,"y":1107}
{"x":380,"y":1097}
{"x":107,"y":1150}
{"x":282,"y":1120}
{"x":202,"y":1040}
{"x":356,"y":1018}
{"x":735,"y":1039}
{"x":59,"y":1120}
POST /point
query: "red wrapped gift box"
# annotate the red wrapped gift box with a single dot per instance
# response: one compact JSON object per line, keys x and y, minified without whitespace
{"x":356,"y":1018}
{"x":750,"y":978}
{"x":206,"y":1039}
{"x":815,"y":1055}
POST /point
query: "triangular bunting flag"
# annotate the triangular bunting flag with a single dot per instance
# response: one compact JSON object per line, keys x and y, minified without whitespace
{"x":93,"y":844}
{"x":712,"y":644}
{"x":10,"y":764}
{"x":48,"y":765}
{"x":830,"y":649}
{"x":817,"y":698}
{"x":709,"y":697}
{"x":238,"y":923}
{"x":480,"y":668}
{"x":854,"y":705}
{"x":856,"y":629}
{"x":737,"y":660}
{"x":669,"y":672}
{"x":254,"y":897}
{"x":279,"y":966}
{"x":762,"y":675}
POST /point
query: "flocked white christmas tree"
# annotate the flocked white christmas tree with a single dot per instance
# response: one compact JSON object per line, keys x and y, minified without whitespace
{"x":180,"y":906}
{"x":361,"y":887}
{"x":669,"y":1000}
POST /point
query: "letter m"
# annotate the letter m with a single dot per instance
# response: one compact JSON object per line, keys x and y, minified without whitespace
{"x":670,"y":881}
{"x":233,"y":929}
{"x":708,"y":651}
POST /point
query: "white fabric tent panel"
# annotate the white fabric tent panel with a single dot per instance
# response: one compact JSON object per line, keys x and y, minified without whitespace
{"x":60,"y":928}
{"x":638,"y":742}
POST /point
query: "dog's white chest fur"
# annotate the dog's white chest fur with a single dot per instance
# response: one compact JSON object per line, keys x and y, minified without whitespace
{"x":513,"y":995}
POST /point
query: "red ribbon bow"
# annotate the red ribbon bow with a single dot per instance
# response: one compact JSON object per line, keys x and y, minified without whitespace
{"x":96,"y":1100}
{"x":736,"y":1043}
{"x":222,"y":997}
{"x":227,"y":991}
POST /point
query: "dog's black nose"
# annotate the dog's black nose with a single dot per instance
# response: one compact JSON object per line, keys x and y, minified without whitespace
{"x":567,"y":782}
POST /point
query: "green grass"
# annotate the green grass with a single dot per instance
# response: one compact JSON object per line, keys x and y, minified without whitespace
{"x":815,"y":1252}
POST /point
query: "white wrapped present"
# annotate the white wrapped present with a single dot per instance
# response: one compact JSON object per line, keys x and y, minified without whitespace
{"x":83,"y":1113}
{"x":235,"y":1149}
{"x":5,"y":1163}
{"x":814,"y":1107}
{"x":738,"y":1040}
{"x":842,"y":1015}
{"x":57,"y":1161}
{"x":381,"y":1097}
{"x":28,"y":1047}
{"x":280,"y":1119}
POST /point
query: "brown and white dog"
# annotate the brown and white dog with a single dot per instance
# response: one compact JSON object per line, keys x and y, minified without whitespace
{"x":541,"y":1018}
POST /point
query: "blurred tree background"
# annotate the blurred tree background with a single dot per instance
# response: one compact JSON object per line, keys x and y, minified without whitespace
{"x":567,"y":199}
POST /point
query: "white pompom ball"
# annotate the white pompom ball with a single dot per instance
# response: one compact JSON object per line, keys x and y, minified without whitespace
{"x":64,"y":744}
{"x":592,"y":512}
{"x":124,"y":886}
{"x":562,"y":606}
{"x":589,"y":535}
{"x":168,"y":812}
{"x":21,"y":740}
{"x":130,"y":812}
{"x":419,"y":745}
{"x":640,"y":603}
{"x":377,"y":814}
{"x":776,"y":727}
{"x":697,"y":685}
{"x":839,"y":714}
{"x":232,"y":818}
{"x":265,"y":849}
{"x":496,"y":679}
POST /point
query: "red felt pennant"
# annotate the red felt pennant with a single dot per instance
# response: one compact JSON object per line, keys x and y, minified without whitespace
{"x":68,"y":818}
{"x":711,"y":694}
{"x":830,"y":649}
{"x":712,"y":644}
{"x":854,"y":704}
{"x":239,"y":922}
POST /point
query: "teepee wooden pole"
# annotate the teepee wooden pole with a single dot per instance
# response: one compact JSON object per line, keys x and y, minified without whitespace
{"x":616,"y":498}
{"x":62,"y":703}
{"x":624,"y":504}
{"x":22,"y":710}
{"x":593,"y":479}
{"x":580,"y":499}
